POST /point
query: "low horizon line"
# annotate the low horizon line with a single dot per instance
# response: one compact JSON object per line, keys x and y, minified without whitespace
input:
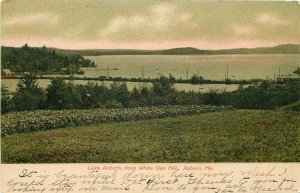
{"x":137,"y":49}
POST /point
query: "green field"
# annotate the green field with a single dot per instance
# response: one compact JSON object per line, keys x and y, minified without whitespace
{"x":227,"y":136}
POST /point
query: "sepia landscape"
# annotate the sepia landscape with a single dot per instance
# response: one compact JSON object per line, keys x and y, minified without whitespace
{"x":149,"y":82}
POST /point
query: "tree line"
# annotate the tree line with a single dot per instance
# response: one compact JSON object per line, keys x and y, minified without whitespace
{"x":27,"y":59}
{"x":67,"y":95}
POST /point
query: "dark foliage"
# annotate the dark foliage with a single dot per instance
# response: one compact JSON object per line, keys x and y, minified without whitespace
{"x":297,"y":71}
{"x":28,"y":96}
{"x":265,"y":95}
{"x":27,"y":59}
{"x":67,"y":95}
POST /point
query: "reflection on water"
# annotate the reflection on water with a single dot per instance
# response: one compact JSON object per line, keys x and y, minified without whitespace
{"x":11,"y":85}
{"x":212,"y":67}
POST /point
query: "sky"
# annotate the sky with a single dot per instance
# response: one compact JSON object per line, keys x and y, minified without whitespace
{"x":148,"y":24}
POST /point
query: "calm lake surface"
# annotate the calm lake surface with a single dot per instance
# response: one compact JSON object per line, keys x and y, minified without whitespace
{"x":209,"y":66}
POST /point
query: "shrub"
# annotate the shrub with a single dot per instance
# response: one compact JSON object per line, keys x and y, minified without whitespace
{"x":53,"y":119}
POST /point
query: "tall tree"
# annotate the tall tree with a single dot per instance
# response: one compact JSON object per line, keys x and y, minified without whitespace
{"x":28,"y":95}
{"x":57,"y":94}
{"x":164,"y":86}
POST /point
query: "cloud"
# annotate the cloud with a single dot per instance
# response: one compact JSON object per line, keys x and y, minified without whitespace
{"x":242,"y":29}
{"x":37,"y":18}
{"x":148,"y":24}
{"x":119,"y":23}
{"x":185,"y":17}
{"x":161,"y":17}
{"x":162,"y":14}
{"x":270,"y":19}
{"x":164,"y":8}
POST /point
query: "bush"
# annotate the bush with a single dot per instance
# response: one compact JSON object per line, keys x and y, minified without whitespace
{"x":265,"y":95}
{"x":113,"y":104}
{"x":53,"y":119}
{"x":292,"y":107}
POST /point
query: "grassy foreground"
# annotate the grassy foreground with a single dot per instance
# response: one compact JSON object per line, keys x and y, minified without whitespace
{"x":229,"y":136}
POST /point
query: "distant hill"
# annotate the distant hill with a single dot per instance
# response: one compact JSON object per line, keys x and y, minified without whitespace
{"x":179,"y":51}
{"x":280,"y":49}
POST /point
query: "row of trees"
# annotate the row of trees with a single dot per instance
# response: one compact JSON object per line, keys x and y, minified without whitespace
{"x":27,"y":59}
{"x":66,"y":95}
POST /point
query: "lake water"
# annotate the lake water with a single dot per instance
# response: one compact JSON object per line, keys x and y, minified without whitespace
{"x":11,"y":85}
{"x":209,"y":66}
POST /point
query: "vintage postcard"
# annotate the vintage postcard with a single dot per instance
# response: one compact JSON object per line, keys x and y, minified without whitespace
{"x":150,"y":96}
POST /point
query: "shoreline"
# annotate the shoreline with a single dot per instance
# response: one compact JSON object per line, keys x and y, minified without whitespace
{"x":148,"y":80}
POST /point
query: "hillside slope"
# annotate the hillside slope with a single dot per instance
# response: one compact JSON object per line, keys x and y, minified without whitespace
{"x":231,"y":136}
{"x":280,"y":49}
